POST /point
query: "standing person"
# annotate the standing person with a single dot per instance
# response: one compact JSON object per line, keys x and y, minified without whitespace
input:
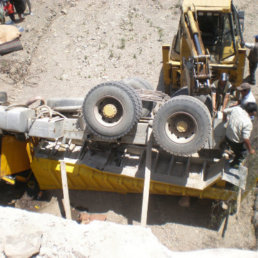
{"x":253,"y":59}
{"x":239,"y":130}
{"x":19,"y":7}
{"x":8,"y":8}
{"x":220,"y":92}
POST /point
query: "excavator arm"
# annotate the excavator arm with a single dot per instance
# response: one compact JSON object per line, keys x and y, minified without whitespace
{"x":196,"y":65}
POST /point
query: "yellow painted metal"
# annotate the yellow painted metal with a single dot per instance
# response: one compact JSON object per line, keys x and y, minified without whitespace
{"x":21,"y":178}
{"x":192,"y":22}
{"x":8,"y":180}
{"x":14,"y":156}
{"x":235,"y":70}
{"x":166,"y":67}
{"x":239,"y":72}
{"x":207,"y":5}
{"x":109,"y":110}
{"x":82,"y":177}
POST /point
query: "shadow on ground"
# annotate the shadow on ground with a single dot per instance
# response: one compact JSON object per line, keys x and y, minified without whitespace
{"x":162,"y":209}
{"x":10,"y":193}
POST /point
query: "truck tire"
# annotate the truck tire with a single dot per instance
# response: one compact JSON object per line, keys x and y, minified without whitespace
{"x":206,"y":99}
{"x":111,"y":110}
{"x":181,"y":91}
{"x":182,"y":126}
{"x":138,"y":83}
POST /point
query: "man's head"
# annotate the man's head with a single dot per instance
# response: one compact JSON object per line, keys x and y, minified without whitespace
{"x":223,"y":79}
{"x":250,"y":108}
{"x":244,"y":88}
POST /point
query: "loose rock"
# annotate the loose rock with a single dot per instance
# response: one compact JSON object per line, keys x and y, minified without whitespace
{"x":22,"y":245}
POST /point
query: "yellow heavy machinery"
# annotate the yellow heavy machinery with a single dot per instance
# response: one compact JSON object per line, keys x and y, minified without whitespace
{"x":104,"y":138}
{"x":208,"y":42}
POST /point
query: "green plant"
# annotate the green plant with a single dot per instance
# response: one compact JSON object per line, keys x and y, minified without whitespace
{"x":161,"y":33}
{"x":111,"y":54}
{"x":122,"y":43}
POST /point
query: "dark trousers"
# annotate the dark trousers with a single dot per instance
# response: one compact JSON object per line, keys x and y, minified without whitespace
{"x":238,"y":149}
{"x":252,"y":69}
{"x":12,"y":17}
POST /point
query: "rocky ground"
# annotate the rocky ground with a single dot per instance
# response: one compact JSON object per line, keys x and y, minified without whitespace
{"x":71,"y":46}
{"x":55,"y":237}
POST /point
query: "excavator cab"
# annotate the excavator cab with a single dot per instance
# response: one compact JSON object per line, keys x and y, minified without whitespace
{"x":216,"y":35}
{"x":220,"y":34}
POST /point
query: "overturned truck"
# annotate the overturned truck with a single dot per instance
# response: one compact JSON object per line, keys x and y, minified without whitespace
{"x":103,"y":138}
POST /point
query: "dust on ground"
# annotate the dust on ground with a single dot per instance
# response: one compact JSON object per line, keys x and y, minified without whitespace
{"x":71,"y":46}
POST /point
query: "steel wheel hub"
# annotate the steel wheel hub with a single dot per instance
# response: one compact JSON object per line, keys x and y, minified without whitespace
{"x":181,"y":127}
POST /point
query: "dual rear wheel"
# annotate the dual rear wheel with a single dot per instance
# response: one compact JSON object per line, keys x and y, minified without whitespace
{"x":181,"y":126}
